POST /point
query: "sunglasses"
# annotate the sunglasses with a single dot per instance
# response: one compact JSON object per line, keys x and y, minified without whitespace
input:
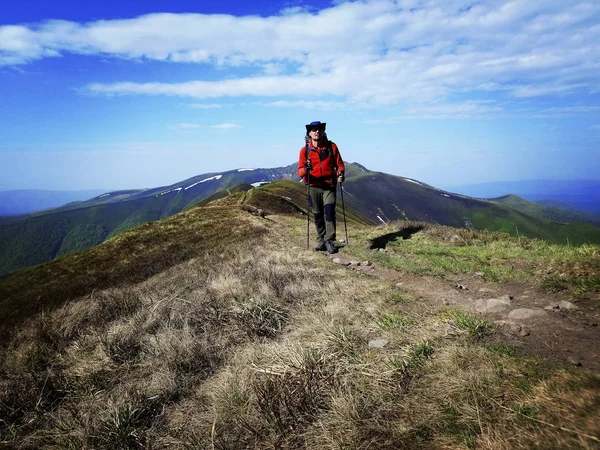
{"x":316,"y":129}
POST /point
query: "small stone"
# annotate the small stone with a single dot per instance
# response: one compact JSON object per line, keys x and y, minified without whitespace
{"x":381,"y":250}
{"x":462,"y":287}
{"x":479,"y":274}
{"x":366,"y":263}
{"x":354,"y":263}
{"x":378,"y":343}
{"x":525,"y":313}
{"x":567,"y":305}
{"x":554,"y":307}
{"x":340,"y":261}
{"x":486,"y":290}
{"x":493,"y":305}
{"x":399,"y":284}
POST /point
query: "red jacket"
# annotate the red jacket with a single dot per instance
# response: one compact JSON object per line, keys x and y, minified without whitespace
{"x":326,"y":162}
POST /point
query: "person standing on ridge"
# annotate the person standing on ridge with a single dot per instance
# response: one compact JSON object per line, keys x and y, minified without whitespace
{"x":320,"y":158}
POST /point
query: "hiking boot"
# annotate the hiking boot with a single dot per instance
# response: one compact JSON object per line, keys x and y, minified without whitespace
{"x":330,"y":247}
{"x":320,"y":248}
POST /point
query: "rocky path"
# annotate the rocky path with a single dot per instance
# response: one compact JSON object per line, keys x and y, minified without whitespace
{"x":552,"y":325}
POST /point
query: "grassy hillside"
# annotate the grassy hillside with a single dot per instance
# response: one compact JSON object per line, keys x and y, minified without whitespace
{"x":38,"y":239}
{"x":215,"y":328}
{"x":384,"y":198}
{"x":43,"y":236}
{"x":562,"y":214}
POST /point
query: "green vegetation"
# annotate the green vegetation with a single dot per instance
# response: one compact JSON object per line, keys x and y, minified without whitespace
{"x":378,"y":195}
{"x":393,"y":321}
{"x":546,"y":212}
{"x":442,"y":251}
{"x":476,"y":326}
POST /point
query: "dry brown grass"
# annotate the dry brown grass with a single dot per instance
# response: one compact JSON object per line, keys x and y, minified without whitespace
{"x":262,"y":344}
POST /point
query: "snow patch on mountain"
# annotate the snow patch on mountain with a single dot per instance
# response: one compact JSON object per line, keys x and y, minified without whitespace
{"x":243,"y":170}
{"x":259,"y":183}
{"x":216,"y":177}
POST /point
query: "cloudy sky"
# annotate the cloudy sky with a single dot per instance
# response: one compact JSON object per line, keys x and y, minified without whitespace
{"x":135,"y":94}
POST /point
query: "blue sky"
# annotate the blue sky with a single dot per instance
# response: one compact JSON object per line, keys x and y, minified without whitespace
{"x":135,"y":94}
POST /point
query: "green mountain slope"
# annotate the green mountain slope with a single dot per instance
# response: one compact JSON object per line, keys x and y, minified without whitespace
{"x":40,"y":237}
{"x":563,"y":214}
{"x":384,"y":198}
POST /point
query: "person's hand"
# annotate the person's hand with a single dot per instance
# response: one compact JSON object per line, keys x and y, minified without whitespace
{"x":308,"y":166}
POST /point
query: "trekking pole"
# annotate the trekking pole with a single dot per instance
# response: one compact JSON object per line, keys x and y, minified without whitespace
{"x":344,"y":210}
{"x":307,"y":198}
{"x":308,"y":211}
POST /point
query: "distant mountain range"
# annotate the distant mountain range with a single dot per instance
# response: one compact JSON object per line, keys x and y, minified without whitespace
{"x":35,"y":238}
{"x":25,"y":201}
{"x":581,"y":194}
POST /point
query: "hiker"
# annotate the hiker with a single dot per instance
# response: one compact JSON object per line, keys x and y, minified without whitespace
{"x":320,"y":165}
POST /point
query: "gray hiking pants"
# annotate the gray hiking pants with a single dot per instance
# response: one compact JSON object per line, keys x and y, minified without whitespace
{"x":322,"y":202}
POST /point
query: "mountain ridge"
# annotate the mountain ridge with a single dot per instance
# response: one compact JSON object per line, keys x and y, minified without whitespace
{"x":37,"y":238}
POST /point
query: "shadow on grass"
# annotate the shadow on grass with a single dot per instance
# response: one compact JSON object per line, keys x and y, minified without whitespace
{"x":404,"y":233}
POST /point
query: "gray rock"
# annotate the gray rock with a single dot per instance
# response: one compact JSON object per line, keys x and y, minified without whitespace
{"x":479,"y":274}
{"x":381,"y":250}
{"x":399,"y":284}
{"x":493,"y":305}
{"x":378,"y":343}
{"x":340,"y":261}
{"x":354,"y":263}
{"x":561,"y":306}
{"x":514,"y":327}
{"x":366,"y":263}
{"x":567,"y":305}
{"x":526,"y":313}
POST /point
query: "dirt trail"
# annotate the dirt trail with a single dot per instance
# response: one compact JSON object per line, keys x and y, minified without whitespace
{"x":531,"y":319}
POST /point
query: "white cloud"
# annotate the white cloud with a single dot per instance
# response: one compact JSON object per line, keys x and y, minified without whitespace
{"x":371,"y":52}
{"x":226,"y":126}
